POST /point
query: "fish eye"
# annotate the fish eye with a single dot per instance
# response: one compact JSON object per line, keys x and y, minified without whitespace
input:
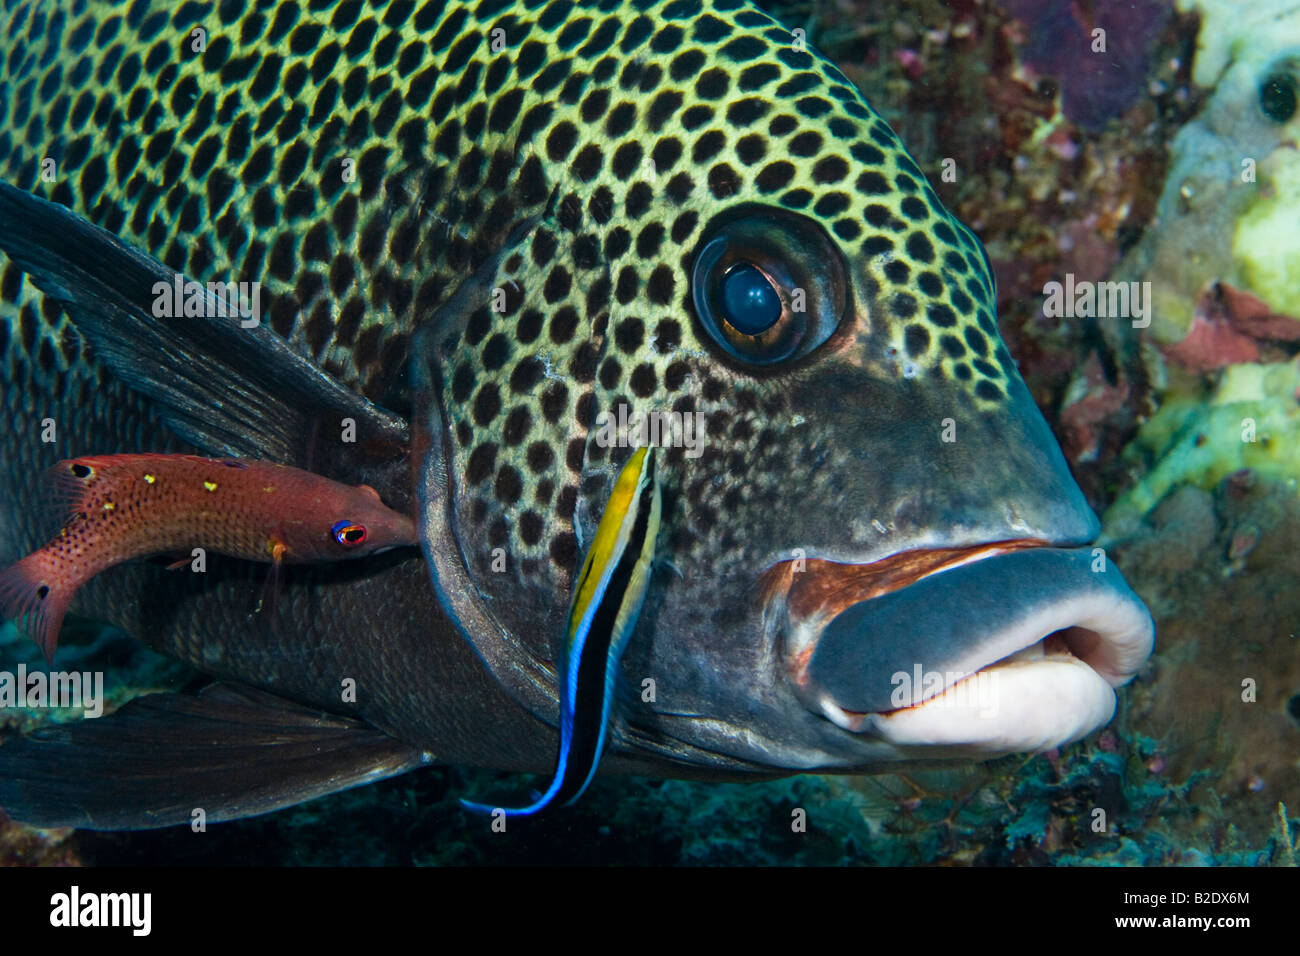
{"x":750,"y":305}
{"x":767,"y":285}
{"x":1277,"y":97}
{"x":349,"y":533}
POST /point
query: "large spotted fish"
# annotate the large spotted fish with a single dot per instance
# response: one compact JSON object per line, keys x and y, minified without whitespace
{"x":479,"y":228}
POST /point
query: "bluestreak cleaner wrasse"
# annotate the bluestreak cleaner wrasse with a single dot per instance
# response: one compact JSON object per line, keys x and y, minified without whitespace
{"x":432,"y":247}
{"x":607,"y":600}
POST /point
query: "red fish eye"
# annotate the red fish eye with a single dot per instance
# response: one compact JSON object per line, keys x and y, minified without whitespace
{"x":348,"y":533}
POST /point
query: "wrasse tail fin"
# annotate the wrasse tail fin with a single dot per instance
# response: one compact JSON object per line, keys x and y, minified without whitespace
{"x":224,"y":387}
{"x":541,"y":803}
{"x":231,"y":751}
{"x":36,"y":605}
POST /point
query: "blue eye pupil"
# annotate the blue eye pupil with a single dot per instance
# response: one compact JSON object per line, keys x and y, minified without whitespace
{"x":751,"y":304}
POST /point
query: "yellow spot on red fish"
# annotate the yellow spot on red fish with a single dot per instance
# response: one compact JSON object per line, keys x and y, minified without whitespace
{"x":269,"y":489}
{"x":109,"y":506}
{"x":150,"y":479}
{"x":210,"y":485}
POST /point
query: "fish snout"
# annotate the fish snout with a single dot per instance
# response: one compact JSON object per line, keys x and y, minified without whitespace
{"x":1007,"y":648}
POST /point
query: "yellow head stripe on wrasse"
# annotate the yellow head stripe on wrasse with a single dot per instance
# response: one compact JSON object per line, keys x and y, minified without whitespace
{"x":607,"y":600}
{"x":611,"y":540}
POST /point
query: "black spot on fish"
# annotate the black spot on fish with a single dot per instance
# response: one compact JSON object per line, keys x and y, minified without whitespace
{"x":746,"y":112}
{"x":540,"y":457}
{"x":487,"y":404}
{"x":611,"y":373}
{"x":877,"y":245}
{"x":917,"y":340}
{"x":583,"y":365}
{"x":638,"y":201}
{"x":643,"y":380}
{"x":530,"y":527}
{"x":661,"y":285}
{"x":903,"y":305}
{"x":775,"y":176}
{"x":587,"y":163}
{"x":482,"y":462}
{"x":679,"y":188}
{"x":508,"y":487}
{"x":712,"y":85}
{"x":919,"y":247}
{"x":897,"y":272}
{"x":872,"y":183}
{"x":723,"y":181}
{"x":563,"y":324}
{"x":554,"y":401}
{"x":564,"y":551}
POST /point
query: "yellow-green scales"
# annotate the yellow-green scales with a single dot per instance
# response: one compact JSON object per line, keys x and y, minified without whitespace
{"x":361,"y":159}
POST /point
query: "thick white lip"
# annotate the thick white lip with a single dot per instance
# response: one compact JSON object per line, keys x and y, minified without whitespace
{"x":1019,"y":706}
{"x":1032,"y":697}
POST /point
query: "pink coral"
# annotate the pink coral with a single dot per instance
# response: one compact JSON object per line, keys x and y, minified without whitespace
{"x":1228,"y":327}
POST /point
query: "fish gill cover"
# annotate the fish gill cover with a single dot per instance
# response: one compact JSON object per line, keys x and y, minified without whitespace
{"x":469,"y":256}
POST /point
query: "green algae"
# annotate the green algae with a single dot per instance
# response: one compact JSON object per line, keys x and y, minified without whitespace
{"x":1267,"y":242}
{"x":1250,"y":419}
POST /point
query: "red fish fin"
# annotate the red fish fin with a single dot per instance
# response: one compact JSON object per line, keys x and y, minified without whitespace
{"x":177,"y":559}
{"x":33,"y":603}
{"x":271,"y":589}
{"x":70,"y":485}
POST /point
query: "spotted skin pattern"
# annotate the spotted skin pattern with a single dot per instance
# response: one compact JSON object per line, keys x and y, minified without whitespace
{"x":362,"y":159}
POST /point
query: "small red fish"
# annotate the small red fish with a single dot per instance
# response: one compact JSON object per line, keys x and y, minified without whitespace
{"x":118,"y":507}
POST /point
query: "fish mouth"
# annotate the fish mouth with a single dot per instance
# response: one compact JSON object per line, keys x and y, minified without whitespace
{"x":1009,"y":647}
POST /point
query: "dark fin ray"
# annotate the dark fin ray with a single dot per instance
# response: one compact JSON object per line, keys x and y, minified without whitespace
{"x":226,"y":389}
{"x":232,"y":751}
{"x":39,"y":616}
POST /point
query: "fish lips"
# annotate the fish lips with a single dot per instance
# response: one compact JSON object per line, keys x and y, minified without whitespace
{"x":1002,"y":651}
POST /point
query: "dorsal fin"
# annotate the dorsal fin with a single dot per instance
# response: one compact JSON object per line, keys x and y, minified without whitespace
{"x":227,"y":389}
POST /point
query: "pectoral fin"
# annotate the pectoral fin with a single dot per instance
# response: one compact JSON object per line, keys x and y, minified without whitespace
{"x":231,"y":752}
